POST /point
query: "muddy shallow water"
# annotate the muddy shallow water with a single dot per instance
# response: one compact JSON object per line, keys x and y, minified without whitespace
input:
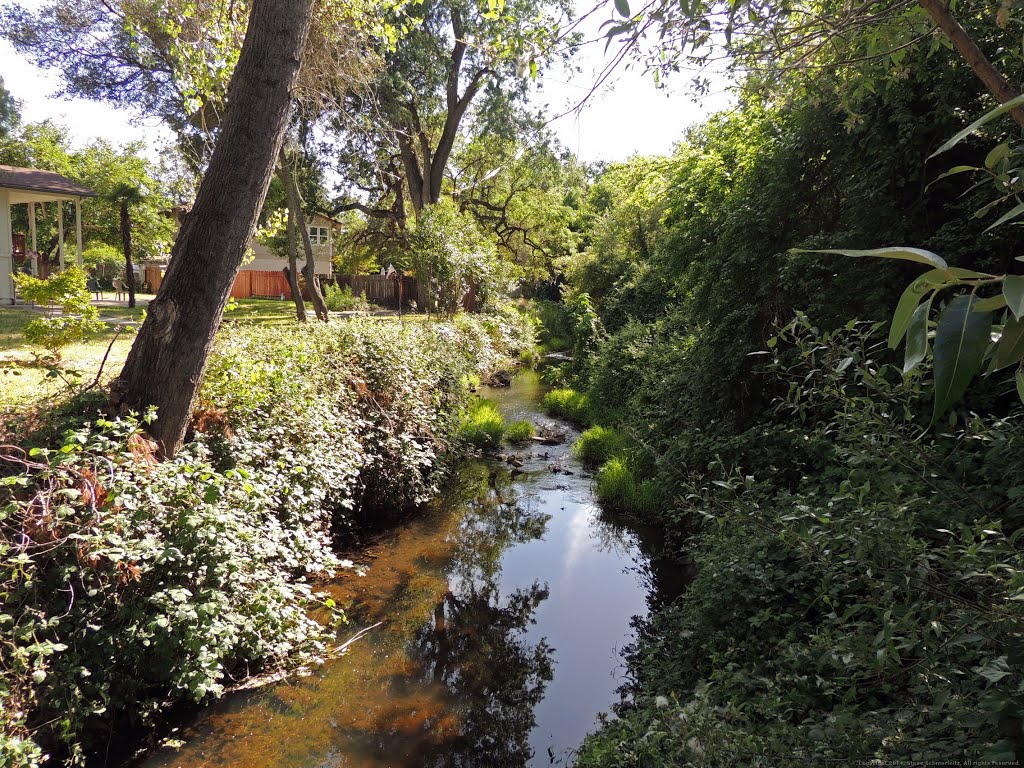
{"x":501,"y":612}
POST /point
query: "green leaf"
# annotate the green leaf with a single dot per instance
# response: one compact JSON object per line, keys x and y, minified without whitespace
{"x":1011,"y":345}
{"x":1013,"y":213}
{"x":1020,"y":383}
{"x":998,"y":153}
{"x":991,"y":304}
{"x":622,"y":6}
{"x":918,"y":255}
{"x":1002,"y":109}
{"x":1013,"y":290}
{"x":995,"y":670}
{"x":909,"y":301}
{"x":917,"y":337}
{"x":952,"y":172}
{"x":961,"y":339}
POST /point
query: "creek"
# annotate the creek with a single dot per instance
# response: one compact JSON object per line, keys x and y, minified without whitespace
{"x":498,"y":618}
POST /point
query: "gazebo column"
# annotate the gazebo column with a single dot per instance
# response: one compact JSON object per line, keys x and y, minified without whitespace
{"x":6,"y":249}
{"x":78,"y":228}
{"x":60,"y":234}
{"x":32,"y":237}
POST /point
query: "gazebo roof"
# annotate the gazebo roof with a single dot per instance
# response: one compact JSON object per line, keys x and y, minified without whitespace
{"x":31,"y":185}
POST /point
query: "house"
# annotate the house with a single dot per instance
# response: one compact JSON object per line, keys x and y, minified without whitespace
{"x":34,"y":188}
{"x":263,"y":275}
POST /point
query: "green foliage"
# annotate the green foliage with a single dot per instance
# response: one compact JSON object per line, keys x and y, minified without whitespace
{"x":598,"y":445}
{"x":102,"y":260}
{"x":67,"y":290}
{"x":483,"y":425}
{"x":568,"y":404}
{"x":864,"y":604}
{"x":451,"y":256}
{"x":340,"y":299}
{"x":146,"y":582}
{"x":518,"y":432}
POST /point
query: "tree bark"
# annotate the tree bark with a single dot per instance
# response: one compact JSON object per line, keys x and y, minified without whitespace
{"x":126,"y":241}
{"x":295,"y":212}
{"x":291,"y":272}
{"x":167,"y":361}
{"x":997,"y":85}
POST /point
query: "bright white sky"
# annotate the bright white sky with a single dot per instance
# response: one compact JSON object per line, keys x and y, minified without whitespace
{"x":629,"y":116}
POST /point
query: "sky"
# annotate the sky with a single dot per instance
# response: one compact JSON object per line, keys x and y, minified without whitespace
{"x":628,"y":116}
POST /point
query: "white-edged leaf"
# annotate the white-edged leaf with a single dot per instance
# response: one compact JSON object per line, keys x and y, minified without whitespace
{"x":1002,"y":109}
{"x":918,"y":255}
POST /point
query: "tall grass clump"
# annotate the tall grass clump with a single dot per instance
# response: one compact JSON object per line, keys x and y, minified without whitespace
{"x":620,"y":489}
{"x":520,"y":431}
{"x":568,"y":404}
{"x":483,"y":425}
{"x":598,"y":445}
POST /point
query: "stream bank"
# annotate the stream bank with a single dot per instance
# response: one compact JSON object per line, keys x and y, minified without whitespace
{"x":496,"y":622}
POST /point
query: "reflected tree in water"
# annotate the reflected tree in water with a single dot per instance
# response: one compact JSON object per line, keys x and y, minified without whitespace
{"x":476,"y":645}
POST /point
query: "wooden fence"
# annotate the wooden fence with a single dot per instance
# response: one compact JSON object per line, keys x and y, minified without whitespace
{"x":270,"y":285}
{"x":383,"y":291}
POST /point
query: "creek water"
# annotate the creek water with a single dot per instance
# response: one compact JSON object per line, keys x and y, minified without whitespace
{"x":498,"y":619}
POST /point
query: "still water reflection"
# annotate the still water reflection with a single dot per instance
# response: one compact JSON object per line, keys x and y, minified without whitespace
{"x":503,"y":612}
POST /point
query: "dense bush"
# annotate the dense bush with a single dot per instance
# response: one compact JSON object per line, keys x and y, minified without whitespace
{"x":867,"y":608}
{"x":341,"y":299}
{"x":130,"y":582}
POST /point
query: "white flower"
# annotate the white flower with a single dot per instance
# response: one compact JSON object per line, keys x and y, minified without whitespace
{"x":660,"y":702}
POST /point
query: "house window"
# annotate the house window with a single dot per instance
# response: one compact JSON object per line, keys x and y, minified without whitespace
{"x":318,"y":235}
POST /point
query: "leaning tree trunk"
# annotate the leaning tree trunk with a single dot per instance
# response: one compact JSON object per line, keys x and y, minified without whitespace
{"x":997,"y":85}
{"x":167,"y":360}
{"x":126,"y":241}
{"x":295,"y":211}
{"x":291,"y":272}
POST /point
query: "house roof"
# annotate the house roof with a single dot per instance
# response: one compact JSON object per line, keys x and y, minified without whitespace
{"x":43,"y":182}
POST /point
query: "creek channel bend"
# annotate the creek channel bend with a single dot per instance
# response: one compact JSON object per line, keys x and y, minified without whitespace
{"x":503,"y":613}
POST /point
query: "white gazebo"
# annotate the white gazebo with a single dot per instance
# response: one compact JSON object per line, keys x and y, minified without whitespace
{"x":31,"y":187}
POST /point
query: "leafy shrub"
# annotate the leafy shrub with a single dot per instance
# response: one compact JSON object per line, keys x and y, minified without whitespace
{"x":67,"y":290}
{"x":451,"y":256}
{"x":865,"y":606}
{"x":483,"y":425}
{"x":598,"y":445}
{"x":568,"y":404}
{"x":129,"y":583}
{"x":520,"y":431}
{"x":340,"y":299}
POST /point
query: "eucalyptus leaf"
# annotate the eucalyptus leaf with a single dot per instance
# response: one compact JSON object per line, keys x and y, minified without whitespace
{"x":1002,"y":109}
{"x":961,"y":340}
{"x":622,"y":6}
{"x":1013,"y":213}
{"x":918,"y":255}
{"x":1013,"y":290}
{"x":917,"y":337}
{"x":1011,"y":345}
{"x":909,"y":301}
